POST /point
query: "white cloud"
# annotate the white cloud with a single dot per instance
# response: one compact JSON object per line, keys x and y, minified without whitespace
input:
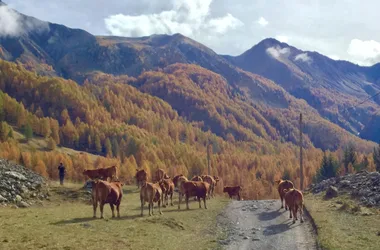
{"x":13,"y":24}
{"x":334,"y":57}
{"x":188,"y":17}
{"x":277,"y":52}
{"x":9,"y":22}
{"x":283,"y":39}
{"x":304,"y":57}
{"x":364,"y":52}
{"x":223,"y":24}
{"x":262,"y":21}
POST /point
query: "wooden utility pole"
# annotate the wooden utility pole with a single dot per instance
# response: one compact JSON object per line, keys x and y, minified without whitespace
{"x":301,"y":165}
{"x":208,"y":158}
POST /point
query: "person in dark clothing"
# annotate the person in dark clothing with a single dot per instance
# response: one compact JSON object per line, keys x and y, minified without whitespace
{"x":62,"y":172}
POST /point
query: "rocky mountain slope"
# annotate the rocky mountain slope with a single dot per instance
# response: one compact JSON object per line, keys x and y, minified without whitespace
{"x":332,"y":87}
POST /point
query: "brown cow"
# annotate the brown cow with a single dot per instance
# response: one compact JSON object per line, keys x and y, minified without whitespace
{"x":210,"y":180}
{"x":106,"y":174}
{"x":106,"y":192}
{"x":283,"y":184}
{"x":193,"y":188}
{"x":294,"y":200}
{"x":196,"y":178}
{"x":150,"y":192}
{"x":177,"y":178}
{"x":232,"y":191}
{"x":167,"y":187}
{"x":160,"y":174}
{"x":141,"y":177}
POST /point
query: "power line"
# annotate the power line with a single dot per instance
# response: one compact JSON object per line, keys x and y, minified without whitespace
{"x":378,"y":93}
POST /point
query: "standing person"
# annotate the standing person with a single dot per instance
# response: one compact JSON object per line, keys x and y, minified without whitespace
{"x":62,"y":171}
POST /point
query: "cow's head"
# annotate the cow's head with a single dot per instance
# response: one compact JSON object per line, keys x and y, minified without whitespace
{"x":225,"y":189}
{"x":141,"y":177}
{"x":166,"y":176}
{"x":216,"y":178}
{"x":278,"y":181}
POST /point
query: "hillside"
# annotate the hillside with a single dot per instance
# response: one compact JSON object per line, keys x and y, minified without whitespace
{"x":331,"y":87}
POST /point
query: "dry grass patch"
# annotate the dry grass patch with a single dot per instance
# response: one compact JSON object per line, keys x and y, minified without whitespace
{"x":65,"y":222}
{"x":344,"y":224}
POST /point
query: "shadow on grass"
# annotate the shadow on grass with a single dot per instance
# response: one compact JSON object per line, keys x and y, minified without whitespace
{"x":88,"y":219}
{"x":73,"y":221}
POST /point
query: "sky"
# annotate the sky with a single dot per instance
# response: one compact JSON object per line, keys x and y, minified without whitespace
{"x":339,"y":29}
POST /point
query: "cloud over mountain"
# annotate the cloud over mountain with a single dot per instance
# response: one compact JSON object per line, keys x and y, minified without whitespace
{"x":188,"y":17}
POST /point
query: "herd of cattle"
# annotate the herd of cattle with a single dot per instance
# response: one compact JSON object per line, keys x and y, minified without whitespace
{"x":107,"y":189}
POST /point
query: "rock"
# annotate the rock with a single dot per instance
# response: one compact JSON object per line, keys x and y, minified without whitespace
{"x":23,"y":204}
{"x":345,"y":183}
{"x":331,"y":192}
{"x":245,"y":237}
{"x":15,"y":175}
{"x":254,"y":239}
{"x":2,"y":199}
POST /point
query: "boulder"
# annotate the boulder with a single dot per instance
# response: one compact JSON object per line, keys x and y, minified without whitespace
{"x":331,"y":192}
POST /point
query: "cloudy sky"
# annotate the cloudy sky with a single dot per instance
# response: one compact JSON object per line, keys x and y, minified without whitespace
{"x":340,"y":29}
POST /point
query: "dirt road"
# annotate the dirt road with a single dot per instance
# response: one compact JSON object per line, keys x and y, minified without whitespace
{"x":262,"y":225}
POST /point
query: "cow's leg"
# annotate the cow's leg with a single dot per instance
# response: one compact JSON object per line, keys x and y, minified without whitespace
{"x":290,"y":212}
{"x":142,"y":206}
{"x":171,"y":199}
{"x":113,"y":210}
{"x":294,"y":214}
{"x":204,"y":201}
{"x":101,"y":210}
{"x":239,"y":198}
{"x":94,"y":206}
{"x":301,"y":213}
{"x":159,"y":207}
{"x":282,"y":202}
{"x":162,"y":200}
{"x":187,"y":201}
{"x":118,"y":209}
{"x":150,"y":204}
{"x":179,"y":200}
{"x":295,"y":211}
{"x":199,"y":200}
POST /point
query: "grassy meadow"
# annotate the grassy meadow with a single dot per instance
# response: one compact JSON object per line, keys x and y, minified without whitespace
{"x":65,"y":222}
{"x":343,"y":224}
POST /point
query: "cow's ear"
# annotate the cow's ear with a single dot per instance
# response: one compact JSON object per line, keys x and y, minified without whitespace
{"x":137,"y":170}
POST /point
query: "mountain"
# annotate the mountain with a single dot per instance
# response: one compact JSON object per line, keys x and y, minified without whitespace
{"x":249,"y":105}
{"x":331,"y":87}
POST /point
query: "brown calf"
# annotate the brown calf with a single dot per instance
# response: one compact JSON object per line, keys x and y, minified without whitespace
{"x":106,"y":192}
{"x":167,"y":187}
{"x":141,"y":177}
{"x":233,"y":191}
{"x":160,"y":174}
{"x":150,"y":192}
{"x":193,"y":188}
{"x":283,"y":184}
{"x":210,"y":180}
{"x":294,"y":200}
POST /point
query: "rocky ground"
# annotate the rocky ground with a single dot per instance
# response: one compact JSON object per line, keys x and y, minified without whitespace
{"x":19,"y":186}
{"x":363,"y":186}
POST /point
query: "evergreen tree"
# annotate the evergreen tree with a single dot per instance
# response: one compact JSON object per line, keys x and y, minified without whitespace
{"x":376,"y":157}
{"x":27,"y":131}
{"x":349,"y":156}
{"x":329,"y":168}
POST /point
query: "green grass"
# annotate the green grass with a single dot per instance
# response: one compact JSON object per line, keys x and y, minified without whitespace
{"x":343,"y":224}
{"x":65,"y":222}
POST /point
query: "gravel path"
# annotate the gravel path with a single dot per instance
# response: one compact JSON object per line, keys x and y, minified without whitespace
{"x":262,"y":225}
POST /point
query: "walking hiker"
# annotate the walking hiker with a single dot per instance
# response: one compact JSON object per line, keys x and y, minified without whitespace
{"x":62,"y":171}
